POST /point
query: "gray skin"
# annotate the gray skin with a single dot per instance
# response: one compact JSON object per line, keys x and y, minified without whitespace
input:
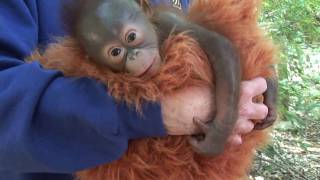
{"x":270,"y":100}
{"x":103,"y":27}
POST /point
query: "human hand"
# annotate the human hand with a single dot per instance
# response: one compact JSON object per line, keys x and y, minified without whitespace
{"x":248,"y":109}
{"x":179,"y":109}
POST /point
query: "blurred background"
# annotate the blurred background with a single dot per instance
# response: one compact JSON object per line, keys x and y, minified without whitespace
{"x":294,"y":152}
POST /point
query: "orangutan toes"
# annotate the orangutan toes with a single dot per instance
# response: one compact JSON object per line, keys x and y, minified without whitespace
{"x":209,"y":142}
{"x":203,"y":127}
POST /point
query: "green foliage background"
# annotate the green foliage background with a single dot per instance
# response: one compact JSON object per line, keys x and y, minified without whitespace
{"x":294,"y":25}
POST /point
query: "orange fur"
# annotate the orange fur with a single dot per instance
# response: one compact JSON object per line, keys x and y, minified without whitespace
{"x":184,"y":65}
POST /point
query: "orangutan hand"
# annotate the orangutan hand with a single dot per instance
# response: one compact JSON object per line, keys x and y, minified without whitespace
{"x":248,"y":109}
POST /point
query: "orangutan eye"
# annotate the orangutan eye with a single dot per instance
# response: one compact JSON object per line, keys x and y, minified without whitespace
{"x":131,"y":37}
{"x":115,"y":52}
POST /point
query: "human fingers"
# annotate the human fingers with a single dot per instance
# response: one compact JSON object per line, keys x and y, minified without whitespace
{"x":253,"y":87}
{"x":253,"y":111}
{"x":243,"y":126}
{"x":235,"y":140}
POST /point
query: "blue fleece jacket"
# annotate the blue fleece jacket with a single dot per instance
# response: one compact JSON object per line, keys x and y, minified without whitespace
{"x":50,"y":125}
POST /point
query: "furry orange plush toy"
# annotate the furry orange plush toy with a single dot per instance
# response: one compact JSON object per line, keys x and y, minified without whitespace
{"x":172,"y":158}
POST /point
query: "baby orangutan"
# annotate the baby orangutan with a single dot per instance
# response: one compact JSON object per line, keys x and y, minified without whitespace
{"x":118,"y":34}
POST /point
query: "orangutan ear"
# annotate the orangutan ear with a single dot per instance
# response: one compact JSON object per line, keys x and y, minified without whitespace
{"x":70,"y":12}
{"x":146,"y":7}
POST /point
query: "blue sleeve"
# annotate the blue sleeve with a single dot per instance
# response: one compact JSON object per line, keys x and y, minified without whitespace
{"x":184,"y":3}
{"x":49,"y":123}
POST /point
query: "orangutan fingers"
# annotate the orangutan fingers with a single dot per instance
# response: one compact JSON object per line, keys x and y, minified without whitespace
{"x":204,"y":128}
{"x":270,"y":100}
{"x":212,"y":141}
{"x":268,"y":121}
{"x":204,"y":147}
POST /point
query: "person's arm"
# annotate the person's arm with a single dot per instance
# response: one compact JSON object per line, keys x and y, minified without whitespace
{"x":49,"y":123}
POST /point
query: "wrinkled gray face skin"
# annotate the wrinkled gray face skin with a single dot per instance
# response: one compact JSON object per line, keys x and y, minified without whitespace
{"x":118,"y":34}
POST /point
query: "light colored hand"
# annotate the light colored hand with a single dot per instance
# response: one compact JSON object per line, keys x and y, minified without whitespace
{"x":248,"y":109}
{"x":179,"y":109}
